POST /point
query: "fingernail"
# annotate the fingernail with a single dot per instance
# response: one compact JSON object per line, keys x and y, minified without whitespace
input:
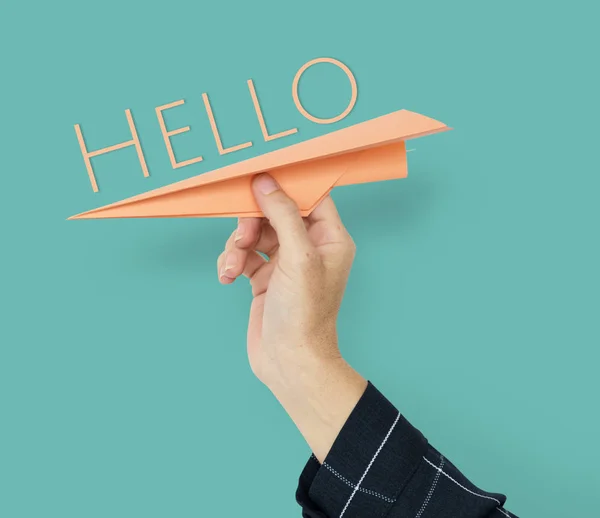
{"x":229,"y":262}
{"x":239,"y":233}
{"x":265,"y":184}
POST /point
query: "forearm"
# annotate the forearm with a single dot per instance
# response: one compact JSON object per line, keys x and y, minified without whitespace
{"x":318,"y":394}
{"x":368,"y":460}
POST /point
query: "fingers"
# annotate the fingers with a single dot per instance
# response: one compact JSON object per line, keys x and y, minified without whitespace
{"x":326,"y":217}
{"x":256,"y":234}
{"x":247,"y":232}
{"x":254,"y":263}
{"x":326,"y":226}
{"x":329,"y":234}
{"x":234,"y":261}
{"x":284,"y":216}
{"x":326,"y":211}
{"x":224,"y":278}
{"x":227,"y":263}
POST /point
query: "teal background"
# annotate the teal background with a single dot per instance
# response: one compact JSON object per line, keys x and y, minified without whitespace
{"x":473,"y":303}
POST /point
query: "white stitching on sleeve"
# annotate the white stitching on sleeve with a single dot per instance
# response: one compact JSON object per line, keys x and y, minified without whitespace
{"x":370,"y":464}
{"x":459,"y":484}
{"x":361,"y":489}
{"x":440,"y":470}
{"x":432,"y":488}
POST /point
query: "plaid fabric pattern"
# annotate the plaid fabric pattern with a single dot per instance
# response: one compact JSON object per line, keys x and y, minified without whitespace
{"x":380,"y":465}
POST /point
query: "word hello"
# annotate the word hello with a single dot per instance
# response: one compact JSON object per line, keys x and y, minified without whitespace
{"x":168,"y":134}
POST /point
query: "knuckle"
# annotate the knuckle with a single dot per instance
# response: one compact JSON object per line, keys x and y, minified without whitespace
{"x":348,"y":249}
{"x":342,"y":257}
{"x":351,"y":247}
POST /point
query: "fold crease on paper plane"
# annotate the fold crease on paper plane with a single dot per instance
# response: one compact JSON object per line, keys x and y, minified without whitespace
{"x":366,"y":152}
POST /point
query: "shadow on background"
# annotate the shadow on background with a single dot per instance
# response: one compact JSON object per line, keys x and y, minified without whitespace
{"x":388,"y":207}
{"x":185,"y":245}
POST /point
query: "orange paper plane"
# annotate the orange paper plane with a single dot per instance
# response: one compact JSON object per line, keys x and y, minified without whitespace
{"x":366,"y":152}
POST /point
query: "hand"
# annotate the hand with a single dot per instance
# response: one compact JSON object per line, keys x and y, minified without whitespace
{"x":298,"y":291}
{"x":292,"y":339}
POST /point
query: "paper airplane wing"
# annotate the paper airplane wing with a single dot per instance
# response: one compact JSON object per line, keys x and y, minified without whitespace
{"x":370,"y":151}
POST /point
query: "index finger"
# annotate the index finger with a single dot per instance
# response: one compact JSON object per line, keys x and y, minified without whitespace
{"x":327,"y":212}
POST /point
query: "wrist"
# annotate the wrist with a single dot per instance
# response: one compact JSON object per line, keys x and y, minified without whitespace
{"x":319,"y":393}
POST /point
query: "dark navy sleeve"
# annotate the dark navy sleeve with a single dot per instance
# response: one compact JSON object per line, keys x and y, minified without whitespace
{"x":380,"y":465}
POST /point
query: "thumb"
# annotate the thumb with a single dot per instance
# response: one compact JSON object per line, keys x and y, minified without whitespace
{"x":283,"y":214}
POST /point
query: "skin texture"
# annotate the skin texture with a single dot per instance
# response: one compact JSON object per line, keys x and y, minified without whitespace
{"x":297,"y":292}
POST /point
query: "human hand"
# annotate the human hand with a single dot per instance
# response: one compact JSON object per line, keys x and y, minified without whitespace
{"x":297,"y":292}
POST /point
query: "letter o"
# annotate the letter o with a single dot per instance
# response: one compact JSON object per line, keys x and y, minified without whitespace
{"x":297,"y":99}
